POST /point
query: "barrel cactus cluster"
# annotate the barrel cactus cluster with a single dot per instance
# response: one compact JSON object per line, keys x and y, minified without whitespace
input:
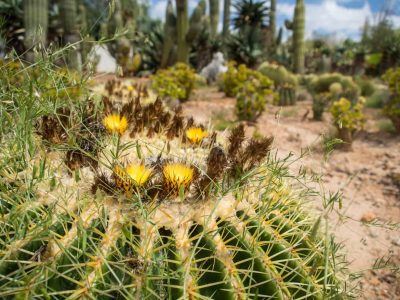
{"x":330,"y":87}
{"x":285,"y":82}
{"x":136,"y":201}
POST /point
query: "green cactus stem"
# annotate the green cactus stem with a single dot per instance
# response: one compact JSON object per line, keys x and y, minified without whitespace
{"x":169,"y":33}
{"x":227,"y":18}
{"x":182,"y":26}
{"x":298,"y":44}
{"x":214,"y":17}
{"x":196,"y":22}
{"x":272,"y":19}
{"x":69,"y":15}
{"x":35,"y":22}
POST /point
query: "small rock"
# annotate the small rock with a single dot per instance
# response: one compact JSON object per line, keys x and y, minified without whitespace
{"x":374,"y":281}
{"x":368,"y":217}
{"x":396,"y":242}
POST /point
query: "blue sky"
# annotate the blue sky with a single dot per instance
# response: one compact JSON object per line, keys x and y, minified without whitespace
{"x":340,"y":18}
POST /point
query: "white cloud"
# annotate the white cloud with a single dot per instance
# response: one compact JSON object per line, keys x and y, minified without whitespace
{"x":331,"y":17}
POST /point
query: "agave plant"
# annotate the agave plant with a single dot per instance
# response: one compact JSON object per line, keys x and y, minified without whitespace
{"x":171,"y":210}
{"x":250,"y":13}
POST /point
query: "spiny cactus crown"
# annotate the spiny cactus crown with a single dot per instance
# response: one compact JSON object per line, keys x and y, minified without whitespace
{"x":163,"y":213}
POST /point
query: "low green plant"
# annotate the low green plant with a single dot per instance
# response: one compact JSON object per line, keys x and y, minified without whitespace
{"x":392,"y":107}
{"x":378,"y":98}
{"x":176,"y":82}
{"x":367,"y":87}
{"x":348,"y":118}
{"x":386,"y":126}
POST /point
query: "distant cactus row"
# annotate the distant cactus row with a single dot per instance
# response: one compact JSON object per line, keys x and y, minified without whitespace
{"x":36,"y":16}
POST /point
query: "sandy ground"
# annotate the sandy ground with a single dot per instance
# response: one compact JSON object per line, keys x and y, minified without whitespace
{"x":365,"y":177}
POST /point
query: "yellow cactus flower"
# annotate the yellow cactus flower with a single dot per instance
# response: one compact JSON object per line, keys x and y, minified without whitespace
{"x":196,"y":134}
{"x":138,"y":173}
{"x":177,"y":175}
{"x":130,"y":88}
{"x":115,"y":123}
{"x":133,"y":175}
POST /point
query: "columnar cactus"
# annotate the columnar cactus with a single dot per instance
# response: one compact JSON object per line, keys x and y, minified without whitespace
{"x":180,"y":30}
{"x":169,"y":32}
{"x":214,"y":17}
{"x":35,"y":22}
{"x":182,"y":25}
{"x":69,"y":15}
{"x":272,"y":19}
{"x":226,"y":19}
{"x":171,"y":210}
{"x":298,"y":45}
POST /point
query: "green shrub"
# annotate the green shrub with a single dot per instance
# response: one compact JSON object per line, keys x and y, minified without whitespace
{"x":348,"y":118}
{"x":176,"y":82}
{"x":392,"y":107}
{"x":378,"y":98}
{"x":252,"y":96}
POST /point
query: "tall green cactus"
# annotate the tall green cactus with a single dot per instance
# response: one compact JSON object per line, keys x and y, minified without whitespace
{"x":272,"y":19}
{"x":169,"y":33}
{"x":298,"y":44}
{"x":186,"y":31}
{"x":35,"y":23}
{"x":227,"y":18}
{"x":182,"y":26}
{"x":69,"y":17}
{"x":214,"y":17}
{"x":188,"y":218}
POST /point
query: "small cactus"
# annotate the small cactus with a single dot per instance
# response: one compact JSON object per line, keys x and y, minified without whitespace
{"x":285,"y":82}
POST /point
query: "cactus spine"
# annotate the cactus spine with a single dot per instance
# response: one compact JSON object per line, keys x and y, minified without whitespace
{"x":36,"y":22}
{"x":298,"y":45}
{"x":182,"y":24}
{"x":69,"y":15}
{"x":214,"y":17}
{"x":221,"y":224}
{"x":227,"y":18}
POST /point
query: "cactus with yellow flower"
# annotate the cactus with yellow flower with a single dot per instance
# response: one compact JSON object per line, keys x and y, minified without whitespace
{"x":171,"y":210}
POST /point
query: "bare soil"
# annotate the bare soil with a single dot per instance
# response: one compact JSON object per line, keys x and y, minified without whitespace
{"x":366,"y":176}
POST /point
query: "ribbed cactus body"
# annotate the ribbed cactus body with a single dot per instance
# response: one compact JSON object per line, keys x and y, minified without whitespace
{"x":298,"y":44}
{"x":169,"y":33}
{"x":236,"y":231}
{"x":272,"y":19}
{"x":226,"y":18}
{"x":69,"y":15}
{"x":182,"y":26}
{"x":35,"y":23}
{"x":196,"y":21}
{"x":214,"y":17}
